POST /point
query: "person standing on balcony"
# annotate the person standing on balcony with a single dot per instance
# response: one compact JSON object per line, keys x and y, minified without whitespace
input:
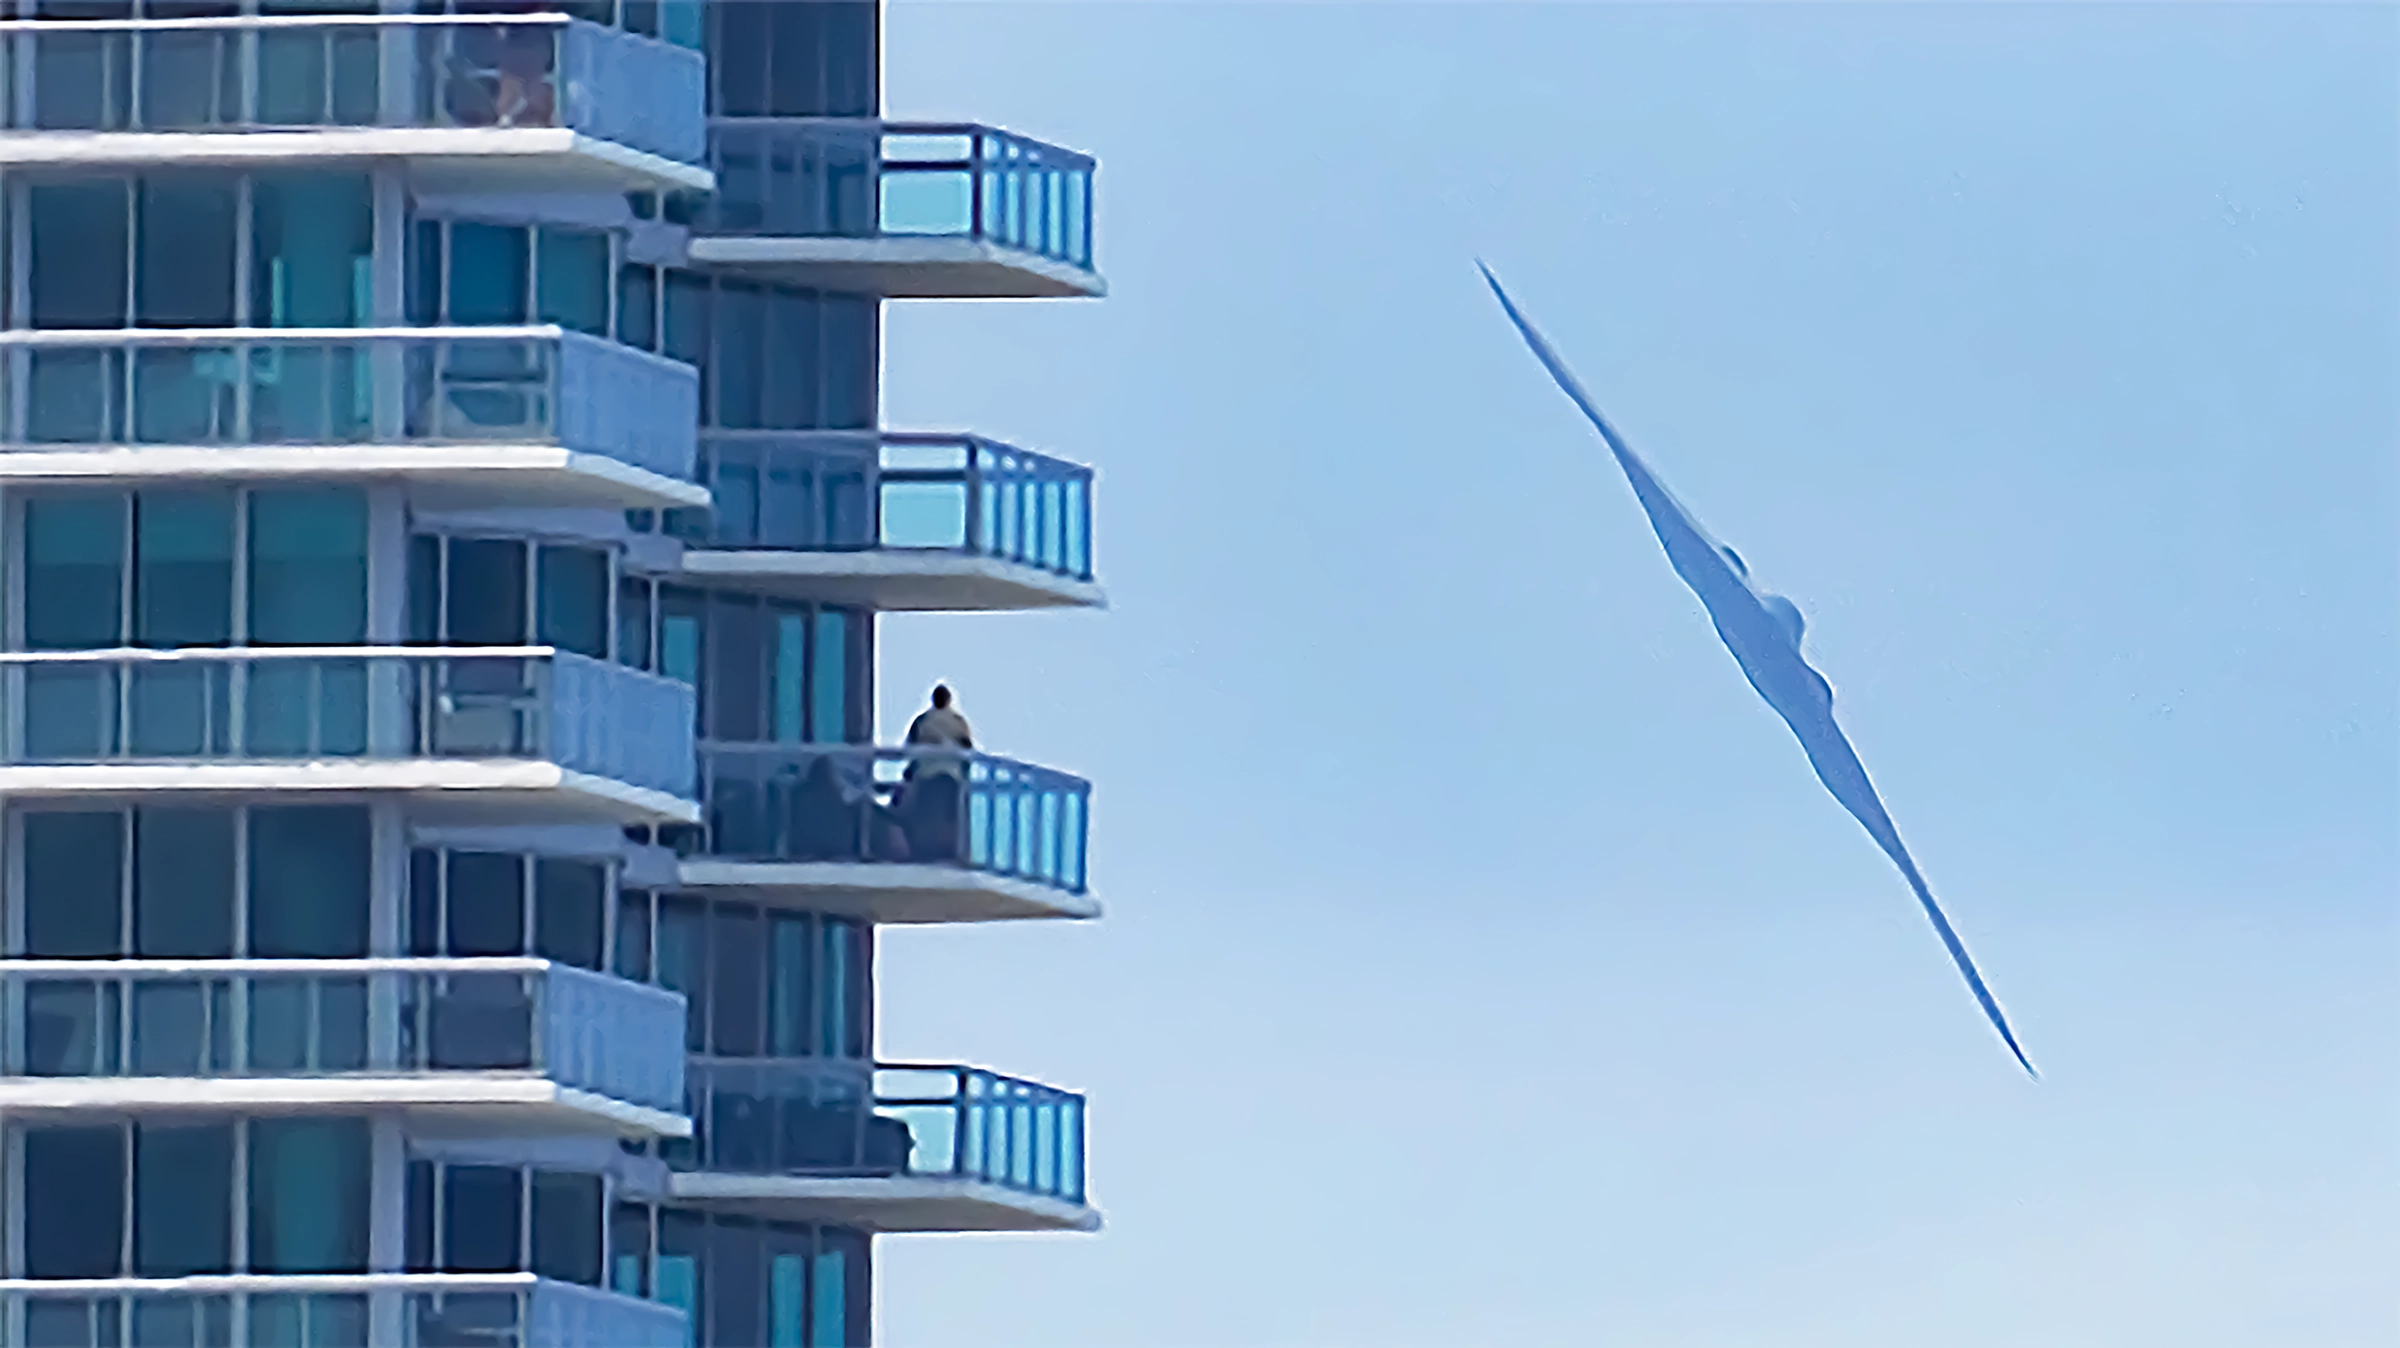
{"x":936,"y":778}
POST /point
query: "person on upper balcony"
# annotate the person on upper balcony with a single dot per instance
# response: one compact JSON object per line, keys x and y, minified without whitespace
{"x":935,"y":779}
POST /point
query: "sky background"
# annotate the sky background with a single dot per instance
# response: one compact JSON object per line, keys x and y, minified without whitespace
{"x":1482,"y":963}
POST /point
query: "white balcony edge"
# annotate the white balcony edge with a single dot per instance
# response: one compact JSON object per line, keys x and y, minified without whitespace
{"x":432,"y":1090}
{"x":899,"y":579}
{"x":895,"y":893}
{"x":33,"y":149}
{"x":893,"y":1205}
{"x":907,"y":266}
{"x":607,"y":478}
{"x":621,"y":800}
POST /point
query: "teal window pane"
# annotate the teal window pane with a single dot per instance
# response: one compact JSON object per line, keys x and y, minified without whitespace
{"x":183,"y":263}
{"x":312,"y":248}
{"x":572,"y":280}
{"x":74,"y":571}
{"x":183,"y":568}
{"x":182,"y":1199}
{"x":829,"y":679}
{"x":787,"y":1301}
{"x":308,"y":566}
{"x":311,"y":868}
{"x":77,"y":273}
{"x":791,"y":678}
{"x":308,"y":1195}
{"x":829,"y":1318}
{"x":490,"y":269}
{"x":573,"y":590}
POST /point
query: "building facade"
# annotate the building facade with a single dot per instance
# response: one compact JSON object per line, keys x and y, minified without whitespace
{"x":444,"y":511}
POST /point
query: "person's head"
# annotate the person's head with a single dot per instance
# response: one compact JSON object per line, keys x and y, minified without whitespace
{"x":941,"y":696}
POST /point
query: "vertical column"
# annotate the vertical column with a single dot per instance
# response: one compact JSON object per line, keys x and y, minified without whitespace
{"x":388,"y":298}
{"x":387,"y":1194}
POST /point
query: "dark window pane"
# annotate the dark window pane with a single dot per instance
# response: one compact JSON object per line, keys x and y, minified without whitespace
{"x":487,"y":903}
{"x":182,"y":1200}
{"x":737,"y":666}
{"x":311,"y":867}
{"x":737,"y":985}
{"x":183,"y":568}
{"x":308,"y":1195}
{"x":574,"y":600}
{"x":74,"y":871}
{"x":687,"y":329}
{"x":682,"y":948}
{"x":573,"y":280}
{"x":737,"y":1290}
{"x":741,"y":356}
{"x":418,"y":1257}
{"x":570,"y":900}
{"x":481,"y":1216}
{"x":796,"y":41}
{"x":308,"y":566}
{"x":633,"y":622}
{"x":737,"y":56}
{"x":679,"y":636}
{"x":566,"y":1227}
{"x":852,"y":65}
{"x":629,"y":1250}
{"x":632,"y":959}
{"x":425,"y":273}
{"x":74,"y":1202}
{"x":77,"y":277}
{"x":850,"y":362}
{"x":424,"y":902}
{"x":74,"y":571}
{"x":637,"y":306}
{"x":487,"y":592}
{"x":183,"y":883}
{"x":792,"y":322}
{"x":424,"y":590}
{"x":312,"y":248}
{"x":183,"y":274}
{"x":489,"y":266}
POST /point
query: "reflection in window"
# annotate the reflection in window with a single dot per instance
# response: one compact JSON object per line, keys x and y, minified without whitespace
{"x":742,"y":1281}
{"x":464,"y":904}
{"x":758,"y":982}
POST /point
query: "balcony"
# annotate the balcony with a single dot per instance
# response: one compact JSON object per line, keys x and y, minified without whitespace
{"x":893,"y":835}
{"x":415,"y":1310}
{"x":898,"y":209}
{"x":508,"y":1044}
{"x":512,"y":102}
{"x":473,"y":417}
{"x":494,"y":733}
{"x":932,"y":1148}
{"x":894,"y":521}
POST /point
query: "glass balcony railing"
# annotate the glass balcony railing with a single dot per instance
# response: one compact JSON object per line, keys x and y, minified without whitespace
{"x":354,"y":72}
{"x":801,"y":1118}
{"x":858,"y":803}
{"x":424,"y":386}
{"x":847,"y":178}
{"x":429,"y":1310}
{"x":891,"y":490}
{"x":299,"y":704}
{"x":210,"y":1019}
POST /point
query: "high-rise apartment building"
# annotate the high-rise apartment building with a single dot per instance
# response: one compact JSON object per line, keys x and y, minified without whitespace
{"x":444,"y":510}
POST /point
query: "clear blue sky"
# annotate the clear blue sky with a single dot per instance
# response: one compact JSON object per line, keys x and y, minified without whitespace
{"x":1483,"y":964}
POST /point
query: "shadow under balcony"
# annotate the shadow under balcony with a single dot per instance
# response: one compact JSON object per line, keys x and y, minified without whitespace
{"x":891,"y":835}
{"x":906,"y":1147}
{"x":505,"y":1044}
{"x":490,"y":734}
{"x":903,"y":210}
{"x":470,"y":417}
{"x":514,"y":102}
{"x":892,"y":520}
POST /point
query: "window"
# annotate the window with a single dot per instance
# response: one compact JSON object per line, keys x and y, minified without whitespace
{"x":477,"y":1218}
{"x":757,"y":982}
{"x":745,"y":1282}
{"x":804,"y":60}
{"x":161,"y":249}
{"x":475,"y":273}
{"x":775,"y":671}
{"x":158,"y":882}
{"x":510,"y":592}
{"x":770,"y":357}
{"x":163,"y":567}
{"x":505,"y":903}
{"x":157,"y":1198}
